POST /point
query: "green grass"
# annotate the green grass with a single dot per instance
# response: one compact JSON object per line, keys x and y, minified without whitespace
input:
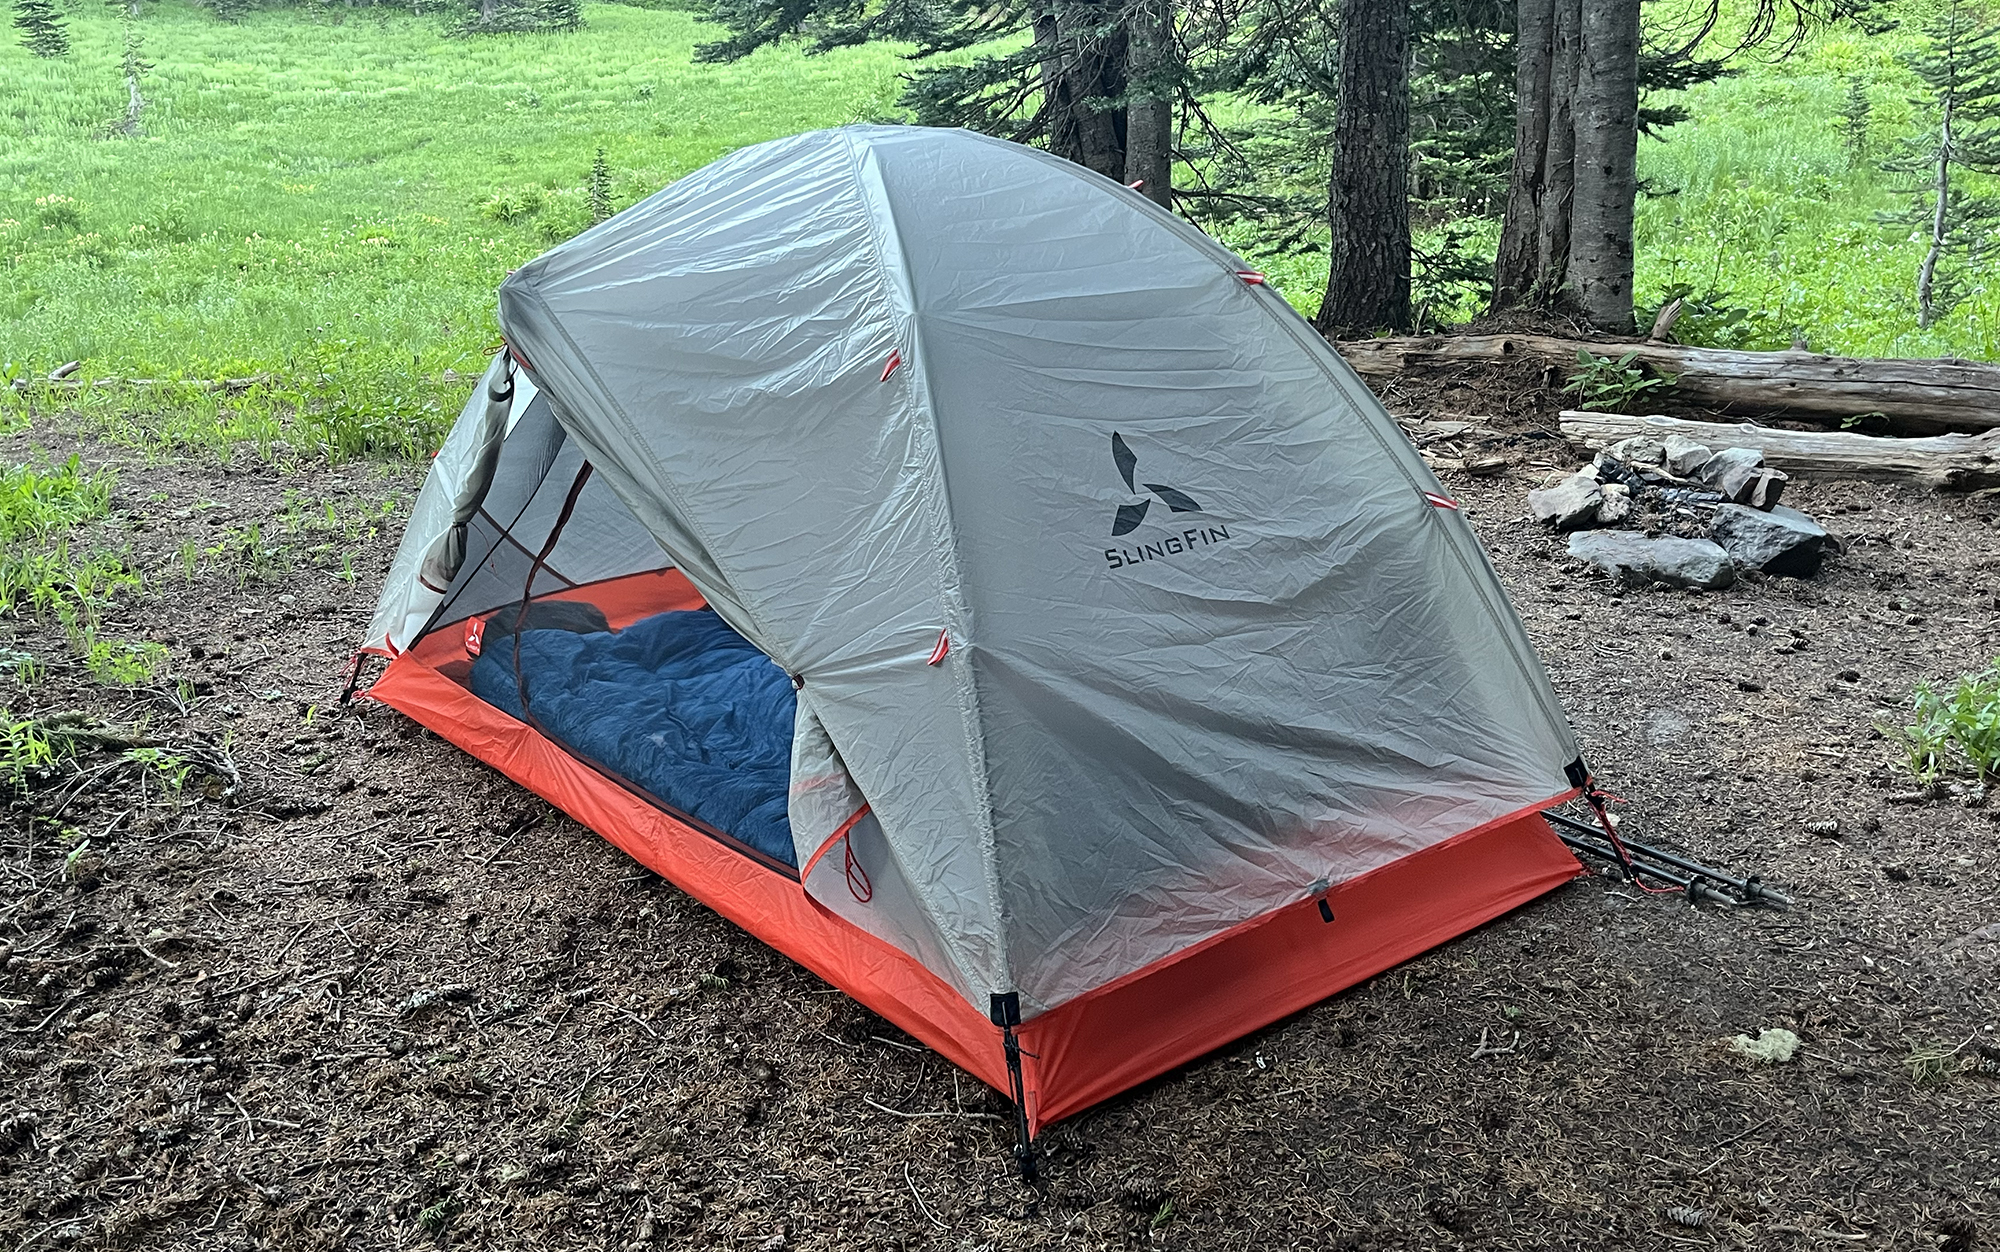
{"x":38,"y":571}
{"x":335,"y":204}
{"x":329,"y":206}
{"x":1756,"y":206}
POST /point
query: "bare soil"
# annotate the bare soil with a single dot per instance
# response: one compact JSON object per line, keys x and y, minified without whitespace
{"x":381,"y":997}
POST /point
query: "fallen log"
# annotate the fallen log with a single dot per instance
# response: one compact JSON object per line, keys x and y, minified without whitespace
{"x":1907,"y":397}
{"x":1946,"y":462}
{"x":64,"y":379}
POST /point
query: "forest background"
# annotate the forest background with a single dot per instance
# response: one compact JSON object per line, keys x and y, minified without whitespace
{"x":323,"y":196}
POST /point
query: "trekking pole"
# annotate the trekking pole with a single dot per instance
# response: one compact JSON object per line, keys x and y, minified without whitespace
{"x":1694,"y":888}
{"x":1753,"y":890}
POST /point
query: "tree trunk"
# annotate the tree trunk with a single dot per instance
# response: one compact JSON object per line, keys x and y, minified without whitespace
{"x":1515,"y":268}
{"x":1905,"y":397}
{"x":1368,"y":285}
{"x":1607,"y":140}
{"x":1083,"y":66}
{"x":1149,"y":109}
{"x":1532,"y":267}
{"x":1940,"y":220}
{"x":1552,"y":241}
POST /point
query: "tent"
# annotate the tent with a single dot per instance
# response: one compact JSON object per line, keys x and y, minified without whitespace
{"x":977,"y":584}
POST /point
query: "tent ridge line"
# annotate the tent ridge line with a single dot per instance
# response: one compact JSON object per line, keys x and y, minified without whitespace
{"x":945,"y":557}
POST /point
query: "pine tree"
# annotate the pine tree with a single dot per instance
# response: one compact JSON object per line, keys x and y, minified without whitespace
{"x":600,"y":188}
{"x":1053,"y":72}
{"x":1959,"y":63}
{"x":1854,"y":114}
{"x":42,"y":29}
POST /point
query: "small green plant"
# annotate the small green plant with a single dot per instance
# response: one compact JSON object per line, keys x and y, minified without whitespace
{"x":1607,"y":386}
{"x":172,"y":771}
{"x":28,"y":750}
{"x":437,"y":1218}
{"x":1955,"y":729}
{"x":119,"y":663}
{"x":512,"y":204}
{"x":36,"y":503}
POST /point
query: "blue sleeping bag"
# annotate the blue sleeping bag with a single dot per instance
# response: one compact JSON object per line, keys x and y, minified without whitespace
{"x":677,"y":704}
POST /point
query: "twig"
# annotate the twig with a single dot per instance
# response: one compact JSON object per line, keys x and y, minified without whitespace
{"x":915,"y":1195}
{"x":1482,"y":1050}
{"x":42,"y":1025}
{"x":639,"y":1021}
{"x":984,"y":1117}
{"x":1744,"y":1134}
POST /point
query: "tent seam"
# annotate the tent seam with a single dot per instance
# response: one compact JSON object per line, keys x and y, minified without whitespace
{"x":945,"y":559}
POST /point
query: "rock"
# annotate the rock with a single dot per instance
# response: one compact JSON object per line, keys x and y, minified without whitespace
{"x":1782,"y":541}
{"x":1668,"y":559}
{"x":1732,"y":471}
{"x":1615,"y":509}
{"x":1684,"y":456}
{"x":1569,"y":504}
{"x":1774,"y":1045}
{"x":1639,"y":450}
{"x":1765,"y":489}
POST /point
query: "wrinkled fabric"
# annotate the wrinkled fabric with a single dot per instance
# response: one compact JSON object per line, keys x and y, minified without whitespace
{"x":677,"y":704}
{"x":1124,"y":605}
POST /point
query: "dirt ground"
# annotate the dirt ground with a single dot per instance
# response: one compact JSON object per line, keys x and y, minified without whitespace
{"x":380,"y":997}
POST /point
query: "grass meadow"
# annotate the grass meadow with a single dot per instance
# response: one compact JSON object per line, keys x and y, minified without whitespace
{"x":330,"y":203}
{"x":333,"y":203}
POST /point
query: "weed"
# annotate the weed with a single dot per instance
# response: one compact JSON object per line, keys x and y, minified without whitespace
{"x":1954,"y":729}
{"x":437,"y":1218}
{"x":1934,"y":1066}
{"x":1607,"y":386}
{"x":247,"y":555}
{"x":28,"y":750}
{"x":38,"y":570}
{"x":172,"y":771}
{"x":119,"y":663}
{"x":28,"y":670}
{"x":36,"y":503}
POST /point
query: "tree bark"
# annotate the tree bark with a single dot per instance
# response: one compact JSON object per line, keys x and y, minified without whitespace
{"x":1607,"y":140}
{"x":1940,"y":219}
{"x":1910,"y":397}
{"x":1552,"y":240}
{"x":1946,"y":462}
{"x":1083,"y":66}
{"x":1515,"y":267}
{"x":1149,"y":109}
{"x":1368,"y":285}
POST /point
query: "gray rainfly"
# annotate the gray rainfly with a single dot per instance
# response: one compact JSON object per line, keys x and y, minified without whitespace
{"x":1132,"y":681}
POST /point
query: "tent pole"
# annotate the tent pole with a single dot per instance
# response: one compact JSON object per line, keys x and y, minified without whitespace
{"x":1006,"y":1014}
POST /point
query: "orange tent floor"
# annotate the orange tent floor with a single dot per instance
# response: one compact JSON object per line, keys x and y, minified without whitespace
{"x":1084,"y":1050}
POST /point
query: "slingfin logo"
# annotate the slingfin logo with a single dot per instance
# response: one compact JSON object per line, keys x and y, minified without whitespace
{"x":1130,"y":515}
